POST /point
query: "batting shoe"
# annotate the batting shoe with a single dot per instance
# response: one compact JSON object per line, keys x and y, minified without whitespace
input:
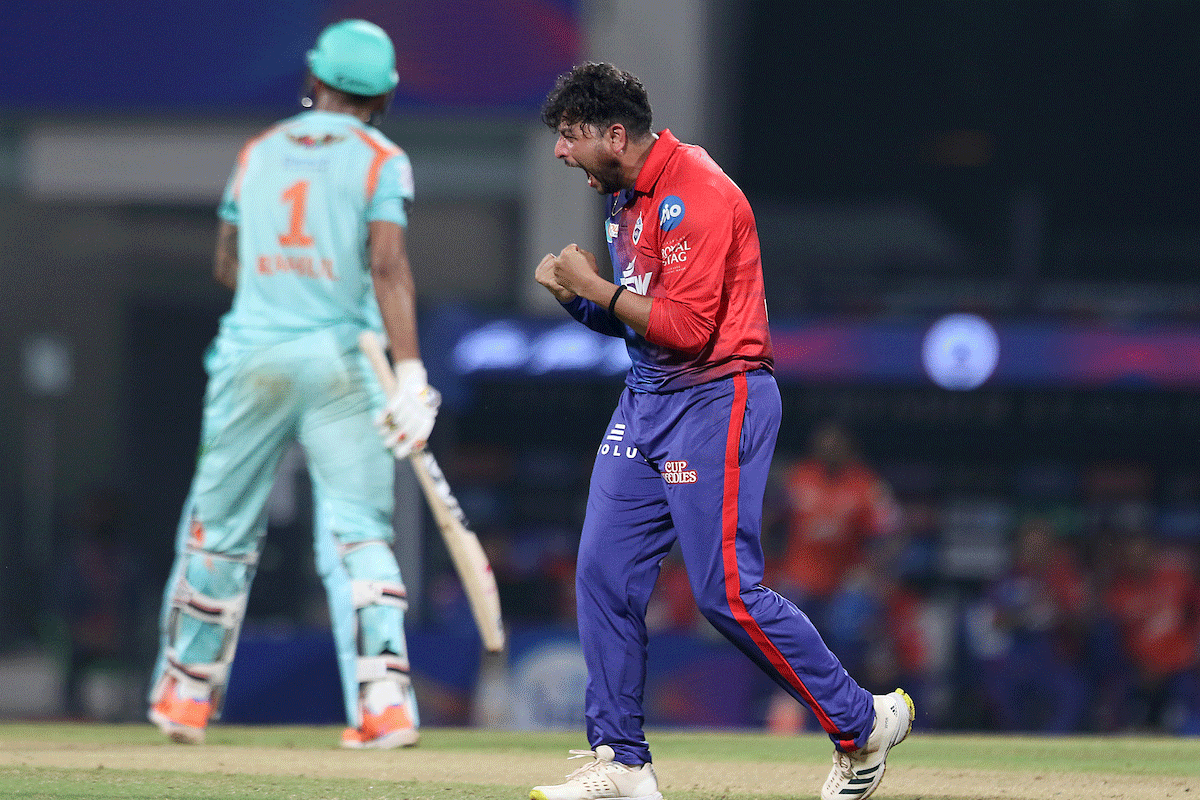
{"x":182,"y":719}
{"x":395,"y":724}
{"x":602,"y":777}
{"x":856,"y":774}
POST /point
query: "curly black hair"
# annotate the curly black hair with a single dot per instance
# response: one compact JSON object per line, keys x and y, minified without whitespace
{"x":599,"y":95}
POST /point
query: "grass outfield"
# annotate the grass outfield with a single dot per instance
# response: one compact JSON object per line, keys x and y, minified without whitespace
{"x":52,"y":760}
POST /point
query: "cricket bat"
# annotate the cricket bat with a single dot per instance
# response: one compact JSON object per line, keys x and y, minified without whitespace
{"x":470,"y":562}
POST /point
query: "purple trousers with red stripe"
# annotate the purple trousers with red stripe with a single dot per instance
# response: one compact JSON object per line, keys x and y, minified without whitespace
{"x":692,"y":466}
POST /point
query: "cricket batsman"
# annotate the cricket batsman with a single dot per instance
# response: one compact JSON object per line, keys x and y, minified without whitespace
{"x":311,"y":239}
{"x":686,"y":454}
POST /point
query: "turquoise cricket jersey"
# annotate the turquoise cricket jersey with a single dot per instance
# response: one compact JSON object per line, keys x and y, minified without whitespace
{"x":302,"y":195}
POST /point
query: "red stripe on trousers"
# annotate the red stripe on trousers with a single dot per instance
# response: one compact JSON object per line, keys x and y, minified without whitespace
{"x":733,"y":576}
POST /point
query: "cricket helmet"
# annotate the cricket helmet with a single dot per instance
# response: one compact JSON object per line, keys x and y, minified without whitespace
{"x":356,"y":57}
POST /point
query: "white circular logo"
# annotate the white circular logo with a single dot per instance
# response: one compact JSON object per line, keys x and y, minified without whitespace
{"x":960,"y":351}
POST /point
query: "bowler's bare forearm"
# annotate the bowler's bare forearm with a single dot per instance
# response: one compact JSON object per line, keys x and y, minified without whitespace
{"x":394,"y":288}
{"x":225,"y":260}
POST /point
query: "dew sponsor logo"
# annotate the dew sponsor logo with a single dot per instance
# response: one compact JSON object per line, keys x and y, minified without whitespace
{"x":670,"y":213}
{"x":635,"y":283}
{"x":678,"y":472}
{"x":638,"y":284}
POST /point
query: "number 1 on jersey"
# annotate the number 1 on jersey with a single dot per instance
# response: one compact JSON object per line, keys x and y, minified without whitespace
{"x":296,"y":196}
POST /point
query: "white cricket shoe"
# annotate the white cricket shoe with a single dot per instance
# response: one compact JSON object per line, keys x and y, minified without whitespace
{"x":602,"y":778}
{"x":855,"y":775}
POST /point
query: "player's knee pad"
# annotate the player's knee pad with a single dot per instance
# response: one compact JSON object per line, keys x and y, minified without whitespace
{"x":372,"y":560}
{"x":379,"y":601}
{"x":207,"y":606}
{"x":379,"y":605}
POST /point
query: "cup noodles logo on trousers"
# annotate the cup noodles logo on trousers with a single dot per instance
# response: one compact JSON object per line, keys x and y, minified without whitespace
{"x":677,"y":472}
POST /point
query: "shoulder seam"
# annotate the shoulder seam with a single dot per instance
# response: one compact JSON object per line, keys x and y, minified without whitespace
{"x":244,"y":155}
{"x":382,"y":153}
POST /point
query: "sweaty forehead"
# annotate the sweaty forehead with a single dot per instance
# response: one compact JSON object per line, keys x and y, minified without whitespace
{"x":577,"y":130}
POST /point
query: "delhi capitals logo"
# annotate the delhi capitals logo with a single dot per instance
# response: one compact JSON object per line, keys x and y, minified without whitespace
{"x":637,"y":230}
{"x":670,"y":213}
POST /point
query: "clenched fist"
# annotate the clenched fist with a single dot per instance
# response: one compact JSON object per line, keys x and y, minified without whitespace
{"x":566,"y":274}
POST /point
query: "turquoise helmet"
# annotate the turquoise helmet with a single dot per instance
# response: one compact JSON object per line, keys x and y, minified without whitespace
{"x":356,"y":57}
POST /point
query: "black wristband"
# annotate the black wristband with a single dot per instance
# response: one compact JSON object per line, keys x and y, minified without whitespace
{"x":612,"y":304}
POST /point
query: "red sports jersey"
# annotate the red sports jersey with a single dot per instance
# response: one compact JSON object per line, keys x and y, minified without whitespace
{"x":685,"y":235}
{"x":1159,"y":614}
{"x":832,"y":517}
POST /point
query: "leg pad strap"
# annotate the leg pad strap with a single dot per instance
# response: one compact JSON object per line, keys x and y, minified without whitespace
{"x":369,"y":593}
{"x":225,"y":612}
{"x":383,"y":667}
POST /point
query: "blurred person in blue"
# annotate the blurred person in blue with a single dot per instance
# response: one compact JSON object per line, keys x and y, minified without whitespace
{"x":311,"y":240}
{"x":1029,"y":636}
{"x":97,"y":597}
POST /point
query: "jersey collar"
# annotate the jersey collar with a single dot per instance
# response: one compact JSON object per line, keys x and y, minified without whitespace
{"x":660,"y":153}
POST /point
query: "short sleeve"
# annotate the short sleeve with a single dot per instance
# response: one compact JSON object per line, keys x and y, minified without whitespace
{"x":393,"y":191}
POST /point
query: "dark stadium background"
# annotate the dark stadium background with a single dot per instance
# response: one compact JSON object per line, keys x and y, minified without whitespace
{"x":1032,"y":163}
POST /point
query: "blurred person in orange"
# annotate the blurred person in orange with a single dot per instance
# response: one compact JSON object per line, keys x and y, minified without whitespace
{"x":839,"y":515}
{"x":837,"y":508}
{"x":1154,"y":600}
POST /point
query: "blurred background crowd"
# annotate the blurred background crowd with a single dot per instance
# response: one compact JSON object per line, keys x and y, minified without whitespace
{"x":1011,"y":534}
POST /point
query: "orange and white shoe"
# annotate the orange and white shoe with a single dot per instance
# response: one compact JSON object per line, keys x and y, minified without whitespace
{"x":393,"y":727}
{"x":182,"y":719}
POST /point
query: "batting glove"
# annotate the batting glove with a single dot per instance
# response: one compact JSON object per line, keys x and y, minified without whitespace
{"x":406,"y":422}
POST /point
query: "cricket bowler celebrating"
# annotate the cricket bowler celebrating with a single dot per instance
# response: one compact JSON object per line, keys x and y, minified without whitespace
{"x":312,"y":241}
{"x":686,"y":454}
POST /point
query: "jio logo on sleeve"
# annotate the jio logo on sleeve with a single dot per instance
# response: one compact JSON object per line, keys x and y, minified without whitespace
{"x":670,"y":213}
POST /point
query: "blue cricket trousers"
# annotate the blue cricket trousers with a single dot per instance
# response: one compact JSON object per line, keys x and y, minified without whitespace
{"x":692,"y":465}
